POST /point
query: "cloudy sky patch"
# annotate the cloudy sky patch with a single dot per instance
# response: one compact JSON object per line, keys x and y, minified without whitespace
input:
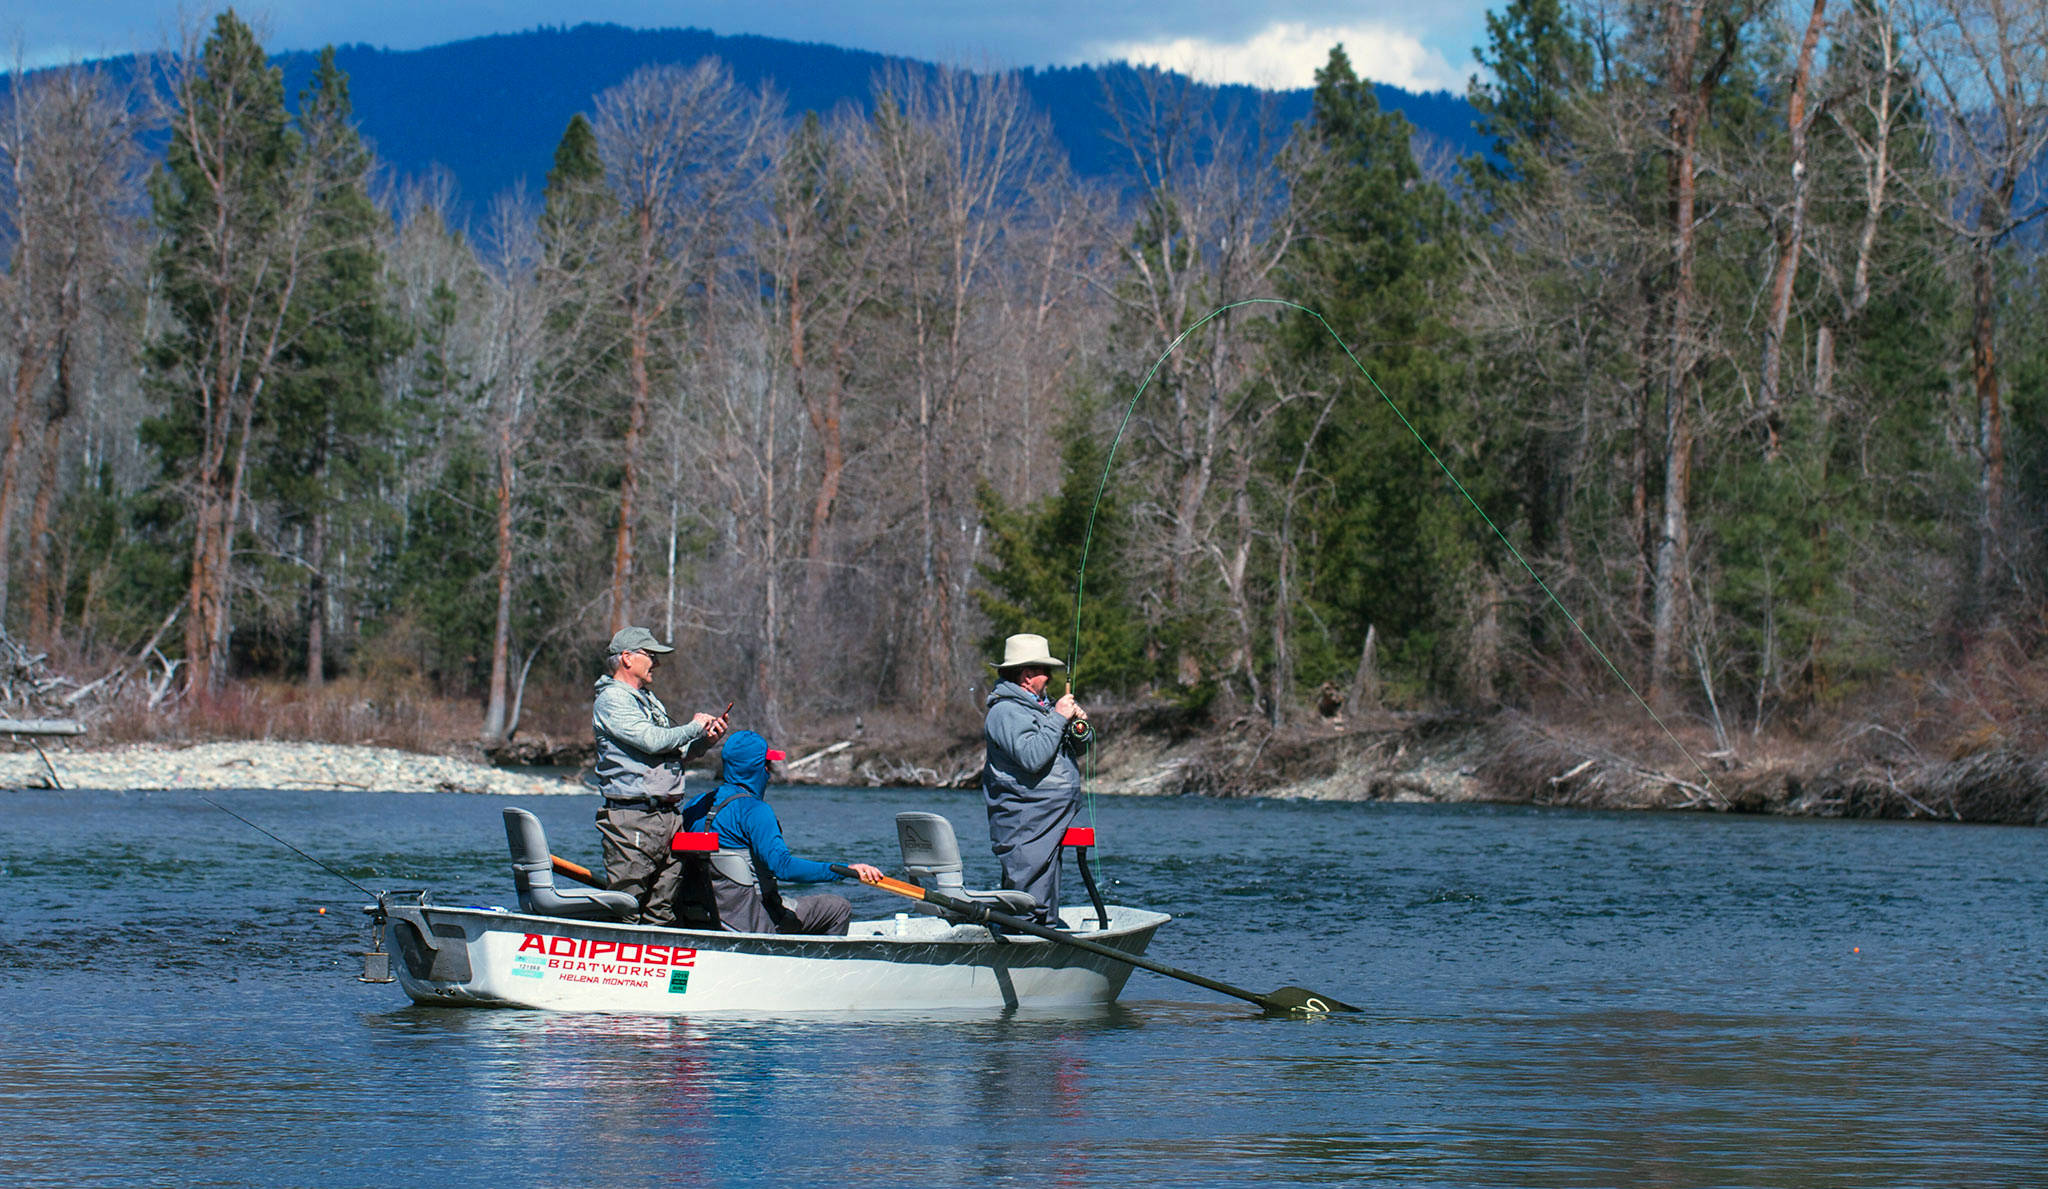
{"x":1287,"y":54}
{"x":1272,"y":43}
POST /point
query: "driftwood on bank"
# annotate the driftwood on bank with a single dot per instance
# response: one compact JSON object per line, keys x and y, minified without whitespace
{"x":41,"y":726}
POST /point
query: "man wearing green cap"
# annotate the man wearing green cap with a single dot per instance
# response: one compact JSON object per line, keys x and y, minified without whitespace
{"x":640,"y":755}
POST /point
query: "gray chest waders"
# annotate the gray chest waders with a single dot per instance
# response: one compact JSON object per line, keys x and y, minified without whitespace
{"x":737,"y":868}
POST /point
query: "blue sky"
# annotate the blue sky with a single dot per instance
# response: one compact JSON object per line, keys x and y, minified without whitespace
{"x":1419,"y":46}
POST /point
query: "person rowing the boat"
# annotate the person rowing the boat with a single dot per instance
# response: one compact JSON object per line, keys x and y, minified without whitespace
{"x":1030,"y":782}
{"x":753,"y":859}
{"x":640,"y":755}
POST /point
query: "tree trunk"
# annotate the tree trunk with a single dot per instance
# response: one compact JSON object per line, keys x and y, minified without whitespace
{"x":668,"y":618}
{"x":1364,"y":693}
{"x":1990,"y":414}
{"x":771,"y":595}
{"x":10,"y":463}
{"x":201,"y":591}
{"x":1245,"y":655}
{"x":1673,"y":579}
{"x":316,"y":603}
{"x":41,"y":546}
{"x":501,"y":633}
{"x":1790,"y":240}
{"x":636,"y":427}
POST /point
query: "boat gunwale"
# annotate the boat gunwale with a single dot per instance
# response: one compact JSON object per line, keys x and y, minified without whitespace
{"x":954,"y":945}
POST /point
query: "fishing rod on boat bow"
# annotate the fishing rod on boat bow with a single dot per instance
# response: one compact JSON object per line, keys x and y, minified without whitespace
{"x":1285,"y":1001}
{"x":295,"y":850}
{"x":376,"y":963}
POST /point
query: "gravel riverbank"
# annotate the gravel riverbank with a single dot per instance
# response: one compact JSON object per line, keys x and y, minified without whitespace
{"x":1502,"y":758}
{"x":268,"y":765}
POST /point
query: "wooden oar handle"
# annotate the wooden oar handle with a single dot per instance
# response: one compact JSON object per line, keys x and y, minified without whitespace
{"x":575,"y":872}
{"x":893,"y":885}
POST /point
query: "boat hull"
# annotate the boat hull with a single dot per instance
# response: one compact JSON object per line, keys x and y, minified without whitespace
{"x":487,"y":957}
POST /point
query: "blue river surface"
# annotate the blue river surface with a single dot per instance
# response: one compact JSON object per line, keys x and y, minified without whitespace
{"x":1551,"y":998}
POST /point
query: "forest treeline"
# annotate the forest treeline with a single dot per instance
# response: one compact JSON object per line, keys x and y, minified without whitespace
{"x":1725,"y":359}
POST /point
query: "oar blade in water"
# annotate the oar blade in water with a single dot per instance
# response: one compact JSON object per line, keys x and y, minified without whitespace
{"x":1302,"y":1001}
{"x":1285,"y":1001}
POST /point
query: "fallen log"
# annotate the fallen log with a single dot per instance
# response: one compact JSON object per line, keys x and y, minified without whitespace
{"x":41,"y":726}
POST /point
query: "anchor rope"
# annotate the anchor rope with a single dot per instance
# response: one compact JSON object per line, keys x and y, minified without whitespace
{"x":1088,"y":539}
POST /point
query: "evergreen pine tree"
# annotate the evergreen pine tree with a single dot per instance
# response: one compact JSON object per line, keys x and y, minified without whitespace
{"x":330,"y":439}
{"x":1381,"y":263}
{"x":1537,"y":63}
{"x":226,"y":268}
{"x":1029,"y":585}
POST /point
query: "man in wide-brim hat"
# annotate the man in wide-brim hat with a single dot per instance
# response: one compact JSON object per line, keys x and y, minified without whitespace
{"x":1030,"y":782}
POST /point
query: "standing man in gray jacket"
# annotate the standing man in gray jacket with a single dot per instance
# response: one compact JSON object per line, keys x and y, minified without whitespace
{"x":640,"y":757}
{"x":1030,"y":782}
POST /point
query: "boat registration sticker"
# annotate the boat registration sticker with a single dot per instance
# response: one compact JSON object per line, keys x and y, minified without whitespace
{"x":678,"y":981}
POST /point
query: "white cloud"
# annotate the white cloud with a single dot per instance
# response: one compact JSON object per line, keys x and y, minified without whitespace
{"x":1288,"y":54}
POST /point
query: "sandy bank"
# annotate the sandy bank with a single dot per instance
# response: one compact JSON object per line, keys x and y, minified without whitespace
{"x":268,"y":765}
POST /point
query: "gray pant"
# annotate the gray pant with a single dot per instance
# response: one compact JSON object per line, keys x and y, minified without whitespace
{"x":743,"y":909}
{"x":1026,"y":830}
{"x":638,"y":861}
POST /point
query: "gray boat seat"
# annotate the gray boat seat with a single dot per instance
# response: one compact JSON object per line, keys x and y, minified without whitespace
{"x":932,"y":857}
{"x":533,"y":873}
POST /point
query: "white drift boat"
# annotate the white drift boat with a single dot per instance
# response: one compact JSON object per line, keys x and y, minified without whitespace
{"x":566,"y":950}
{"x":489,"y":957}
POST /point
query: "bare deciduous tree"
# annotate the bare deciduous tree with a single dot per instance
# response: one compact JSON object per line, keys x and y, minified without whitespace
{"x":1214,"y":225}
{"x":684,"y":153}
{"x":1985,"y":67}
{"x":67,"y":148}
{"x":947,"y":164}
{"x":506,"y":372}
{"x":1789,"y":230}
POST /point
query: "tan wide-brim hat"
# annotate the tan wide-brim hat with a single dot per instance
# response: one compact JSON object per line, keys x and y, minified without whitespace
{"x":1026,"y":650}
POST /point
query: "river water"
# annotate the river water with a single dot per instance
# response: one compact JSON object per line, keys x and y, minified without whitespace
{"x":1552,"y":998}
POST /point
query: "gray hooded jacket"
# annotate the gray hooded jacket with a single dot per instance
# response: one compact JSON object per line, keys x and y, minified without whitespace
{"x":1030,"y":754}
{"x":1031,"y":787}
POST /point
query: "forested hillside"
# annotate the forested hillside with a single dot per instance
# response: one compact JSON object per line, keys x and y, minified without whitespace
{"x":1717,"y":377}
{"x":489,"y":110}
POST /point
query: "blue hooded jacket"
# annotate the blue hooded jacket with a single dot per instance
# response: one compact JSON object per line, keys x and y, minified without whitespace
{"x":745,"y":822}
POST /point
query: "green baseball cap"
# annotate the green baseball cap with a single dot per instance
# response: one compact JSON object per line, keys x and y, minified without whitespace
{"x":637,"y":640}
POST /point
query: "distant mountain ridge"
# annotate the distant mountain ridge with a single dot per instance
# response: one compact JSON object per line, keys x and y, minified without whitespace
{"x":491,"y":109}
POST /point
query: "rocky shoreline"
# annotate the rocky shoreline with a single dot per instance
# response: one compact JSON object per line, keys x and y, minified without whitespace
{"x":268,"y":764}
{"x":1500,"y":758}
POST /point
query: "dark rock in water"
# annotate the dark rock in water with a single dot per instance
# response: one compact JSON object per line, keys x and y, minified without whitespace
{"x":539,"y":751}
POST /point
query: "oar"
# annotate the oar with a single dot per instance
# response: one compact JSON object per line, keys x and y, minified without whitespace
{"x":1284,"y":1001}
{"x":579,"y":874}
